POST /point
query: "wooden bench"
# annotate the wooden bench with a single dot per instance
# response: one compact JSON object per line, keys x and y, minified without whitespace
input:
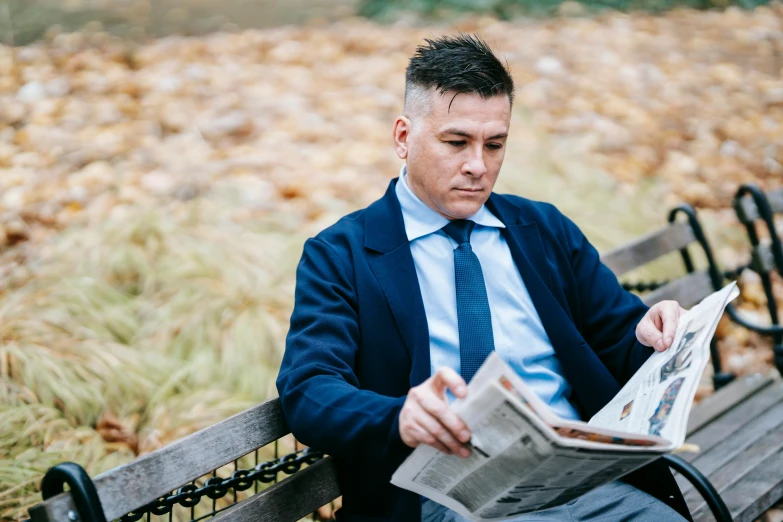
{"x":739,"y":433}
{"x":737,"y":429}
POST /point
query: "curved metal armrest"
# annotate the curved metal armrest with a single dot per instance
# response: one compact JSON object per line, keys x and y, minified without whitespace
{"x":83,"y":491}
{"x":765,"y":330}
{"x":702,"y":485}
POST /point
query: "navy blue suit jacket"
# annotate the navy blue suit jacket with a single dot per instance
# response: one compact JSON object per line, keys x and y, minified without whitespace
{"x":359,"y":341}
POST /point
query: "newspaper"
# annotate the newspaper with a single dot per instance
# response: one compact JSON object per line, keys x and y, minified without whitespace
{"x":524,"y":458}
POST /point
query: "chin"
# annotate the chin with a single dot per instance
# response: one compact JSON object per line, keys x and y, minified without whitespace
{"x":463,"y":211}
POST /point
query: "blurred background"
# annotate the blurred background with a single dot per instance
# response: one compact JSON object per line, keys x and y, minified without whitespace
{"x":163,"y":161}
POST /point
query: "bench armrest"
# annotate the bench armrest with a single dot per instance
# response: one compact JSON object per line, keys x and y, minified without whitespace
{"x":702,"y":485}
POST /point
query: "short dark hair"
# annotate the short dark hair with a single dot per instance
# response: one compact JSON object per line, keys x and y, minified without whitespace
{"x":460,"y":64}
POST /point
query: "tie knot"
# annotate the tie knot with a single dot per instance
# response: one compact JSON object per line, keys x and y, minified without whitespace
{"x":459,"y":230}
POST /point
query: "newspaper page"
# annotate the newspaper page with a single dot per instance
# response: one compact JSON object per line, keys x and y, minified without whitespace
{"x":518,"y":463}
{"x":524,"y":458}
{"x":658,"y":398}
{"x":495,"y":369}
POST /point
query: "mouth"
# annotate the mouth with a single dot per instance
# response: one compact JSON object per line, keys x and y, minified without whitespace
{"x":469,"y":190}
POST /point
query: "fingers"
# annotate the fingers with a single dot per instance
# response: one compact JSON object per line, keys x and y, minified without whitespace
{"x":646,"y":331}
{"x":659,"y":325}
{"x":423,"y":436}
{"x":439,"y":435}
{"x":427,"y":418}
{"x":670,"y":316}
{"x":442,"y":414}
{"x":447,"y":378}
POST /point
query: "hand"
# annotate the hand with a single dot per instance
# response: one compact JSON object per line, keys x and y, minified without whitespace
{"x":427,"y":418}
{"x":657,"y":327}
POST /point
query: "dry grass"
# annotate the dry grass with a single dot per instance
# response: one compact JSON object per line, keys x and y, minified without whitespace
{"x":167,"y":320}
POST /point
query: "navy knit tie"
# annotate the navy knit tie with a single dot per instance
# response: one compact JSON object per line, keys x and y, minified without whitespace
{"x":474,"y":320}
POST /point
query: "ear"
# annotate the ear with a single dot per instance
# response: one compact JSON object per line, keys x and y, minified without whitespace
{"x":402,"y":132}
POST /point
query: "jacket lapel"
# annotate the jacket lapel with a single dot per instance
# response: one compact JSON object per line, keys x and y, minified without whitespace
{"x":581,"y":367}
{"x":396,"y":274}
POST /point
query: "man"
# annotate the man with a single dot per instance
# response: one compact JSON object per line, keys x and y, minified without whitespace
{"x":399,"y":303}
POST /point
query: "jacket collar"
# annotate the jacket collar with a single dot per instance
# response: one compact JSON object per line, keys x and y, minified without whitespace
{"x":385,"y":228}
{"x":507,"y":212}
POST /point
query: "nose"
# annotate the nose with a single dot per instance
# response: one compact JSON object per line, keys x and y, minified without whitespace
{"x":475,"y":166}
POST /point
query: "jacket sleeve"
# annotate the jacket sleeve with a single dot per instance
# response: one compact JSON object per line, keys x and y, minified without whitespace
{"x":607,"y":314}
{"x":319,"y":391}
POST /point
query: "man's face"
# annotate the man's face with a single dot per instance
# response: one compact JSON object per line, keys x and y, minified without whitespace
{"x":454,"y":154}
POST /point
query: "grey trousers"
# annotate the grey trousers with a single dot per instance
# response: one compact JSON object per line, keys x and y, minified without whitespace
{"x":613,"y":502}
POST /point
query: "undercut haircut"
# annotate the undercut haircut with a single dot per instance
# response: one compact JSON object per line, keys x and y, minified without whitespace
{"x":462,"y":64}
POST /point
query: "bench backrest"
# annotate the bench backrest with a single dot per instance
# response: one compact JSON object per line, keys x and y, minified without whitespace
{"x":677,"y":236}
{"x":155,"y":475}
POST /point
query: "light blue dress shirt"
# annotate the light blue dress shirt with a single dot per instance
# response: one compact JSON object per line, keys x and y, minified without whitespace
{"x":520,"y":338}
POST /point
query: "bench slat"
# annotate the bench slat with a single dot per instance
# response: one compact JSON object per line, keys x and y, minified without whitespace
{"x":649,"y":247}
{"x":762,"y":258}
{"x":725,"y":399}
{"x":688,"y":290}
{"x":750,"y":211}
{"x":734,"y":420}
{"x":290,"y":500}
{"x":750,"y":495}
{"x":156,"y":474}
{"x":740,"y":452}
{"x":775,"y":198}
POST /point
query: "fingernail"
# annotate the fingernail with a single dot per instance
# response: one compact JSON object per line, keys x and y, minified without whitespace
{"x":464,"y":453}
{"x":659,"y":345}
{"x":464,"y":436}
{"x":669,"y":341}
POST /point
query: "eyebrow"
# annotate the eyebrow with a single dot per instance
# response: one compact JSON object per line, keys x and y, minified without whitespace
{"x":458,"y":132}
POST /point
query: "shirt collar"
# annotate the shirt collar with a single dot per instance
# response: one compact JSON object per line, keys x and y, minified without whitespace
{"x":420,"y":220}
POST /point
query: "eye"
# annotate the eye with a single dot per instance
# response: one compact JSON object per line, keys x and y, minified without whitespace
{"x":494,"y":146}
{"x":459,"y":143}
